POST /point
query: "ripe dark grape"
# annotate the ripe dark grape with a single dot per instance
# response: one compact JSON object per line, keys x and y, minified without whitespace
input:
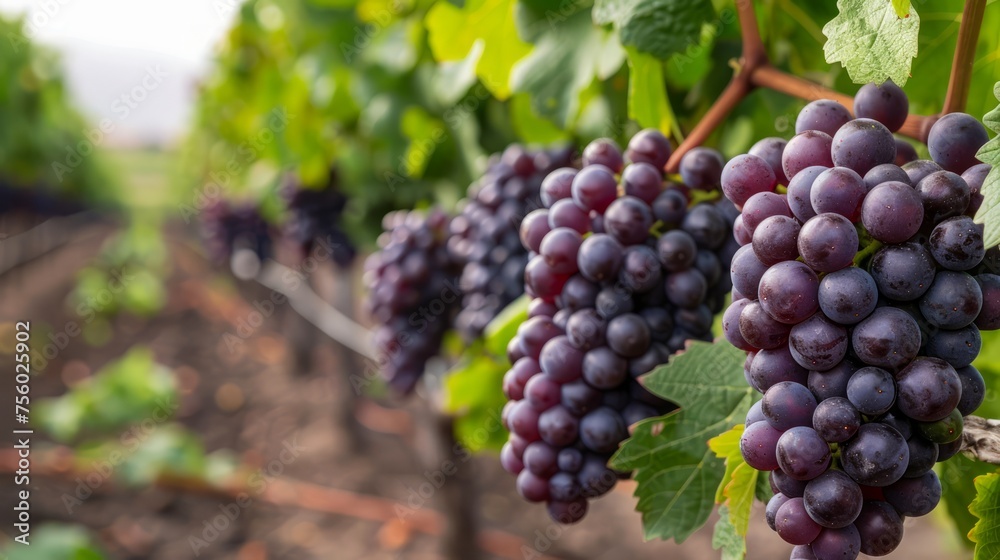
{"x":914,"y":497}
{"x":771,"y":150}
{"x":862,"y":144}
{"x":847,"y":296}
{"x":886,"y":104}
{"x":833,"y":499}
{"x":793,"y":523}
{"x":872,"y":391}
{"x":957,"y":243}
{"x":806,"y":149}
{"x":836,"y":420}
{"x":839,"y":190}
{"x":701,"y":168}
{"x":953,"y":301}
{"x":824,"y":115}
{"x":800,"y":192}
{"x":787,"y":405}
{"x":594,"y":188}
{"x":954,"y":140}
{"x":828,"y":242}
{"x":929,"y":389}
{"x":892,"y":212}
{"x":745,"y":176}
{"x":888,"y":338}
{"x":802,"y":454}
{"x":885,"y":173}
{"x":649,"y":146}
{"x":603,"y":151}
{"x":943,"y":194}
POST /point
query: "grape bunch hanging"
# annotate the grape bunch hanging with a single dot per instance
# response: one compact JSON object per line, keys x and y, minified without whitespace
{"x":484,"y":236}
{"x":316,"y":215}
{"x":228,"y":227}
{"x":433,"y":272}
{"x":859,"y":293}
{"x":413,"y":293}
{"x":624,"y":269}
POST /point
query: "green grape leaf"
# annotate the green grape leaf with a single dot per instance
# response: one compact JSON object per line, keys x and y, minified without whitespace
{"x":989,"y":212}
{"x":726,"y":539}
{"x":739,"y":483}
{"x":55,"y":540}
{"x":657,"y":27}
{"x":725,"y":446}
{"x":986,"y":507}
{"x":902,"y":7}
{"x":871,"y":41}
{"x":567,"y":58}
{"x":474,"y":396}
{"x":648,"y":104}
{"x":503,"y":327}
{"x":453,"y":32}
{"x":958,"y":490}
{"x":677,"y":474}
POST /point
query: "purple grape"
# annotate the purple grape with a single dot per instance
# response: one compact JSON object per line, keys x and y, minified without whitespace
{"x":876,"y":456}
{"x":886,"y":103}
{"x":745,"y":176}
{"x":828,"y":242}
{"x":954,"y":140}
{"x":806,"y":149}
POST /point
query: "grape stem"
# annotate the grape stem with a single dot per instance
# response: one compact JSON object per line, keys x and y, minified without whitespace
{"x":754,"y":70}
{"x":965,"y":55}
{"x":981,"y":439}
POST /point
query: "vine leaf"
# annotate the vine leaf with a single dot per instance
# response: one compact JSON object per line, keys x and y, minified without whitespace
{"x":986,"y":507}
{"x":658,"y":27}
{"x":473,"y":391}
{"x":958,"y":490}
{"x":648,"y":104}
{"x":454,"y":32}
{"x":902,"y":8}
{"x":567,"y":57}
{"x":739,"y":483}
{"x":724,"y":537}
{"x":474,"y":395}
{"x":871,"y":41}
{"x":677,"y":474}
{"x":502,"y":329}
{"x":989,"y":212}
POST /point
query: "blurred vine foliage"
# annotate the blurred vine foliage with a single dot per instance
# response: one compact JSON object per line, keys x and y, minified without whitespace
{"x":406,"y":97}
{"x":43,"y":140}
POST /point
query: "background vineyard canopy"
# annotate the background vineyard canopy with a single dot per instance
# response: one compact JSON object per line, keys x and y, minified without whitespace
{"x":407,"y":98}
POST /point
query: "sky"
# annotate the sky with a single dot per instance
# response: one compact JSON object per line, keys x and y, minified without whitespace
{"x":135,"y":62}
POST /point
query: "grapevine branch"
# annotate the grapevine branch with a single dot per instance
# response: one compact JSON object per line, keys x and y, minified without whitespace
{"x":965,"y":54}
{"x":314,"y":309}
{"x":981,"y":439}
{"x":754,"y":70}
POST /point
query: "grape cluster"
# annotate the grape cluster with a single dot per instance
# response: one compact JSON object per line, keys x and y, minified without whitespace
{"x":229,"y":227}
{"x":859,"y":293}
{"x":413,"y":293}
{"x":35,"y":200}
{"x":623,"y":271}
{"x":317,"y":214}
{"x":485,"y":233}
